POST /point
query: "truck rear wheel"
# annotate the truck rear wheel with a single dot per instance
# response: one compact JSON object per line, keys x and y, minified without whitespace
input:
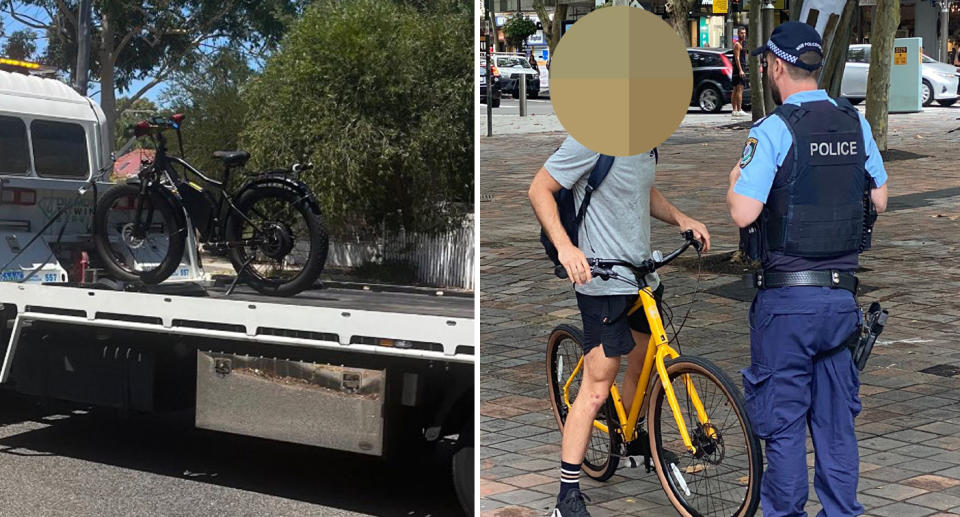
{"x":463,"y":477}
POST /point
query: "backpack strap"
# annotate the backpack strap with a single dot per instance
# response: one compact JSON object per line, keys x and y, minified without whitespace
{"x":597,"y":175}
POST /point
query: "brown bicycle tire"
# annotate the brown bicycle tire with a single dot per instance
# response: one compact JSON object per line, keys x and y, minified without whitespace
{"x":654,"y":411}
{"x":599,"y":470}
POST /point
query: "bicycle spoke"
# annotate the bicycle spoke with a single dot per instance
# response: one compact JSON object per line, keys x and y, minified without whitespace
{"x":713,"y":478}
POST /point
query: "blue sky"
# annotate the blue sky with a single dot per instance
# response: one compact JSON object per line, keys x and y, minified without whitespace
{"x":10,"y":26}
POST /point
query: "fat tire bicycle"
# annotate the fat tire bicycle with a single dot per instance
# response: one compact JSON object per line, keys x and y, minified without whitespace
{"x":271,"y":229}
{"x":702,"y":445}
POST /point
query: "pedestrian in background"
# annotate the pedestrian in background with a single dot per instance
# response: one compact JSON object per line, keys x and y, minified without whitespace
{"x":803,"y":186}
{"x":533,"y":61}
{"x":740,"y":71}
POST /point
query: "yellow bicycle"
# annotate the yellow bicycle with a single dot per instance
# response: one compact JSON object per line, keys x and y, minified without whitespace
{"x":703,"y":448}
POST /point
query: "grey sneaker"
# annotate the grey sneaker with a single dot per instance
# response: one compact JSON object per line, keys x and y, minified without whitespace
{"x":572,"y":505}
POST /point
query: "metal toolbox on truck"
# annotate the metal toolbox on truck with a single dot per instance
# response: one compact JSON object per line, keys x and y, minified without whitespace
{"x":292,"y":401}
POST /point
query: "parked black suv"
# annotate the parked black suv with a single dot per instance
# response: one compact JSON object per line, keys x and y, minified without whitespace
{"x":712,"y":79}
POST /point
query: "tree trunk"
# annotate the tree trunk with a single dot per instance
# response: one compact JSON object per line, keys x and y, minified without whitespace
{"x":756,"y":41}
{"x":766,"y":16}
{"x":108,"y":58}
{"x":885,"y":23}
{"x":552,"y":30}
{"x":836,"y":50}
{"x":678,"y":10}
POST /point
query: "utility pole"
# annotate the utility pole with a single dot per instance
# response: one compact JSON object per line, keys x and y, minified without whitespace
{"x":491,"y":40}
{"x":944,"y":30}
{"x":82,"y":72}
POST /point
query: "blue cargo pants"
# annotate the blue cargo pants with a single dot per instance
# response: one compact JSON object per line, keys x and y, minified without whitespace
{"x":787,"y":391}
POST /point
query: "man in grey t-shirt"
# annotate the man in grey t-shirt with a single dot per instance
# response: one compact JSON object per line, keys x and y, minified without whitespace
{"x":616,"y":226}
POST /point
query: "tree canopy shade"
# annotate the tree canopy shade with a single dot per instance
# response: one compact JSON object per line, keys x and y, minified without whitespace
{"x":150,"y":40}
{"x":378,"y":95}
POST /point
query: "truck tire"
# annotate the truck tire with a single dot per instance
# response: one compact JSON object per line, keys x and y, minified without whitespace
{"x":462,"y":467}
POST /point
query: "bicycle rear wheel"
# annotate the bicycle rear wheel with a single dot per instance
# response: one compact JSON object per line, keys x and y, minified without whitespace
{"x":723,"y":478}
{"x":285,"y":243}
{"x":564,"y":351}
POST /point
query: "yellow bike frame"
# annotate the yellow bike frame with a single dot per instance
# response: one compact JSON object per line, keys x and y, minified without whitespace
{"x":657,"y":349}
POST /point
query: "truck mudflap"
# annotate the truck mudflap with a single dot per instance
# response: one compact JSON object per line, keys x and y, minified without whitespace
{"x":293,"y":401}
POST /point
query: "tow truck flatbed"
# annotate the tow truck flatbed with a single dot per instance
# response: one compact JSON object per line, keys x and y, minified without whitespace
{"x":333,"y":319}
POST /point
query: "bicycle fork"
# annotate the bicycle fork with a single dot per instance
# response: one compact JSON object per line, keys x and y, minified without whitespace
{"x":659,"y":335}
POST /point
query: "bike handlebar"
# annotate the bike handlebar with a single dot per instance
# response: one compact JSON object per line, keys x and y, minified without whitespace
{"x":603,"y":268}
{"x":300,"y":167}
{"x":155,"y":125}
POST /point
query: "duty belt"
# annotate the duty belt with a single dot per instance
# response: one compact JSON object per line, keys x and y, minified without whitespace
{"x":832,"y":278}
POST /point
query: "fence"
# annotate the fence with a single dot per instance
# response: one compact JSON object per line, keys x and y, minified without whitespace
{"x":444,"y":260}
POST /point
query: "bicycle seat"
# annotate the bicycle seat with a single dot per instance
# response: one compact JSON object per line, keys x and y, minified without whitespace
{"x":232,"y":158}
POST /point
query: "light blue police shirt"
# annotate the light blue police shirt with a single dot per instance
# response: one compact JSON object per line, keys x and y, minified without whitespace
{"x":770,"y":140}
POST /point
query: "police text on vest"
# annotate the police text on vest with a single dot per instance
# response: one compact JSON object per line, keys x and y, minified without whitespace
{"x":833,"y":148}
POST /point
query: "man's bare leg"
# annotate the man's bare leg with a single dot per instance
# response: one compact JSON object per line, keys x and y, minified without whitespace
{"x":736,"y":99}
{"x":598,"y":374}
{"x":634,"y":367}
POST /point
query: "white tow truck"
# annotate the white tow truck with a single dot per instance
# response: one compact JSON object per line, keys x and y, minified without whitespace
{"x":356,"y":370}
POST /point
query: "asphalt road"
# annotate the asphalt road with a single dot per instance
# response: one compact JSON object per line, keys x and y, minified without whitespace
{"x":61,"y":459}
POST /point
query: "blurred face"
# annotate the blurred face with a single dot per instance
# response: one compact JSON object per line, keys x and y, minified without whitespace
{"x":742,"y":34}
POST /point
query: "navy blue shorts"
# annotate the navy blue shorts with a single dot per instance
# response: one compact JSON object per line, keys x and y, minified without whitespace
{"x":605,"y":321}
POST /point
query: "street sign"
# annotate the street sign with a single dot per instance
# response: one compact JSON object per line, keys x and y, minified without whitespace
{"x":899,"y":55}
{"x":719,"y":6}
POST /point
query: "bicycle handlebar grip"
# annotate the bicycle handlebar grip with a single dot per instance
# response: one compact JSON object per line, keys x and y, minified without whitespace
{"x":141,"y":128}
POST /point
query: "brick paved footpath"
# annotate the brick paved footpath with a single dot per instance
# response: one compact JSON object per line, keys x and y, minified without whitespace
{"x":908,"y":430}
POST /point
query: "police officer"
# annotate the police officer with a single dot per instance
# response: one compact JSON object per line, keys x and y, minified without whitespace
{"x":807,"y":176}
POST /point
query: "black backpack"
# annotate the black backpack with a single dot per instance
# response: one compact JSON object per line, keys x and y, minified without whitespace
{"x":570,"y":217}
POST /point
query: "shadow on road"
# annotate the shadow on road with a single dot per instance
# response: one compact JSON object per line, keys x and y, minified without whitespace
{"x":169,"y":445}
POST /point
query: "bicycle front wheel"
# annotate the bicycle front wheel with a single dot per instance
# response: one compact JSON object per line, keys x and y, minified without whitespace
{"x":722,"y":479}
{"x":139,"y":238}
{"x":564,"y":351}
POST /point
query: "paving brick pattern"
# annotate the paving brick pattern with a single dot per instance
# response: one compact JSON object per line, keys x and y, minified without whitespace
{"x":909,"y":444}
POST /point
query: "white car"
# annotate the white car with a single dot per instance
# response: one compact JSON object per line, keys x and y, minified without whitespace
{"x":939,"y":80}
{"x":511,"y":66}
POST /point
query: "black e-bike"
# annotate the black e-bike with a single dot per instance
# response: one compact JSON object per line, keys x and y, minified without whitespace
{"x":271,"y":228}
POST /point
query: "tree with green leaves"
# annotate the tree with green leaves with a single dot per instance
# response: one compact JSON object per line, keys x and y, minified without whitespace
{"x":517,"y":29}
{"x":209,"y":94}
{"x":149,"y":41}
{"x":140,"y":109}
{"x":379,"y":97}
{"x":20,"y":45}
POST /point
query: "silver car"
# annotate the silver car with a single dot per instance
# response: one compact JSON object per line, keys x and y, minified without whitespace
{"x":939,"y":80}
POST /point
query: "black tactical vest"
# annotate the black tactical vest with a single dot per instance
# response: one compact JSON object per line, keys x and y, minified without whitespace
{"x":814,"y":214}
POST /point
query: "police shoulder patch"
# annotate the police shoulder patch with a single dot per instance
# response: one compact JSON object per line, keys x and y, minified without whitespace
{"x":748,"y":151}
